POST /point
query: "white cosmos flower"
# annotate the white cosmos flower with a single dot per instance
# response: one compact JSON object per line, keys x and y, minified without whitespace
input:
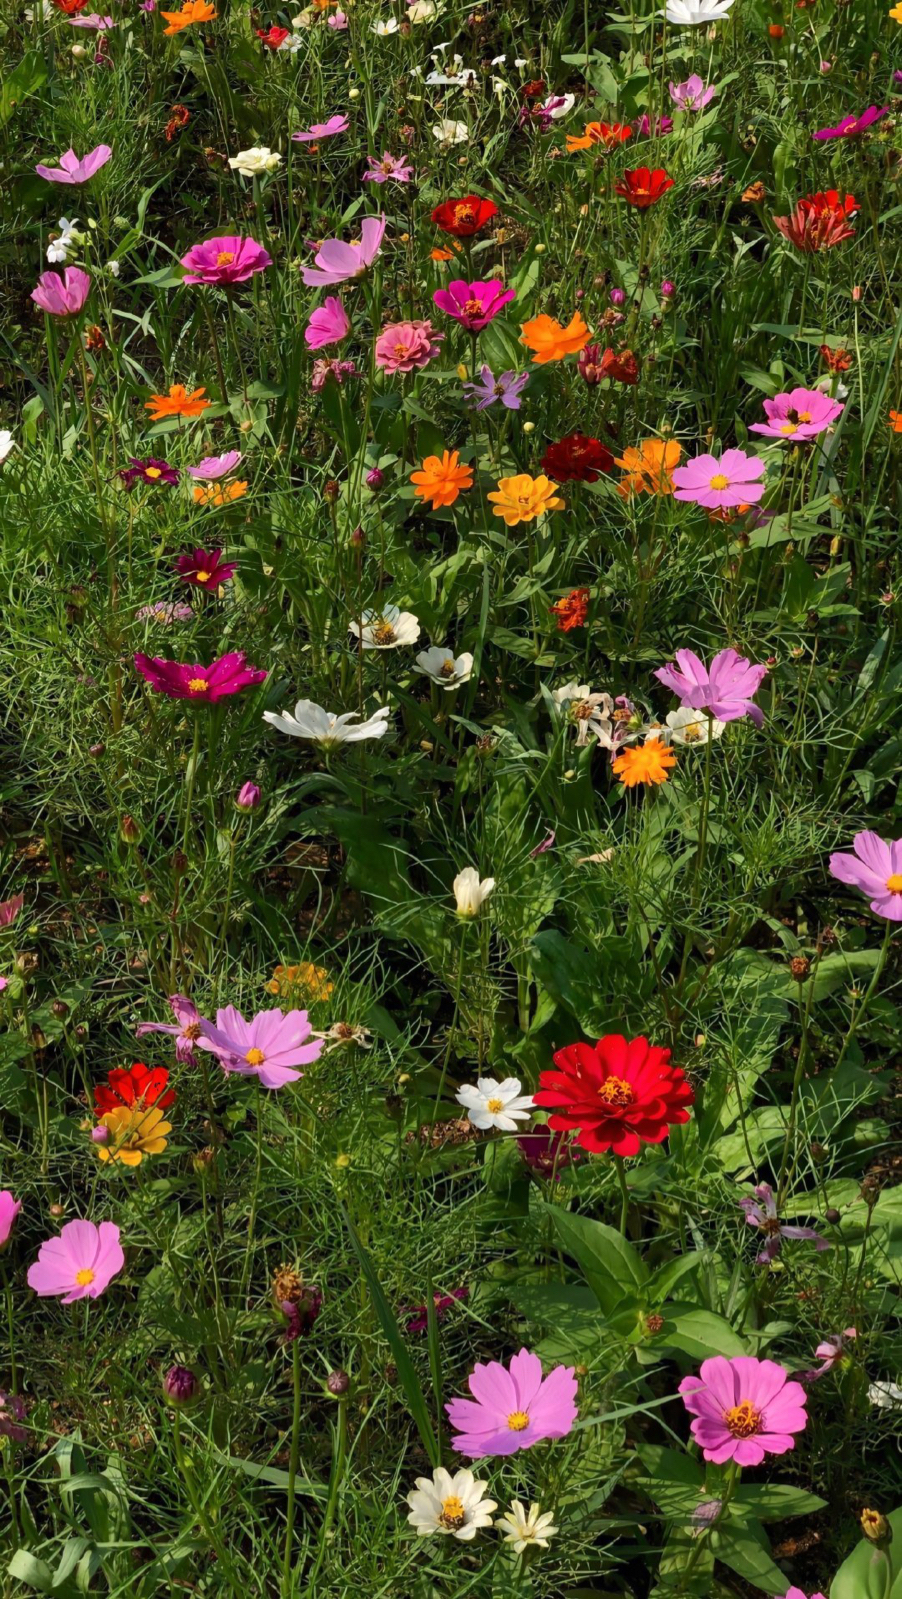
{"x":251,"y":163}
{"x":327,"y":728}
{"x":421,"y":11}
{"x":6,"y":443}
{"x":450,"y":132}
{"x":695,"y":13}
{"x":58,"y":249}
{"x":383,"y":29}
{"x":568,"y":101}
{"x":471,"y":893}
{"x":885,"y":1395}
{"x":444,"y":668}
{"x":386,"y":629}
{"x":526,"y":1531}
{"x":449,"y":1505}
{"x":494,"y":1104}
{"x":692,"y":727}
{"x":590,"y":712}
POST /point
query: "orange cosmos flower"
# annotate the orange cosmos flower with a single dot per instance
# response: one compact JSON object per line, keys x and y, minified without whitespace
{"x":443,"y":255}
{"x":647,"y":469}
{"x":219,"y":493}
{"x":895,"y":421}
{"x":610,"y":134}
{"x":552,"y":342}
{"x":178,"y":402}
{"x":441,"y":480}
{"x":643,"y":187}
{"x":523,"y":498}
{"x":571,"y":611}
{"x":650,"y":762}
{"x":193,"y":11}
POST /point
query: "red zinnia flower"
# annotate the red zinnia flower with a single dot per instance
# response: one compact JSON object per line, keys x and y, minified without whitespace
{"x":615,"y":1094}
{"x":643,"y":187}
{"x":463,"y":218}
{"x":572,"y":610}
{"x":205,"y":569}
{"x":621,"y":365}
{"x":577,"y":459}
{"x":134,"y":1085}
{"x":819,"y":221}
{"x":70,"y":8}
{"x":836,"y":360}
{"x":273,"y":37}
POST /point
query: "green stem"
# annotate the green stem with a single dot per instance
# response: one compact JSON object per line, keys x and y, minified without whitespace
{"x":624,"y":1192}
{"x":292,"y":1466}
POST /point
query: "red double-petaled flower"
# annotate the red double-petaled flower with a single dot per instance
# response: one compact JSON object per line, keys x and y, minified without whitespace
{"x":819,"y":221}
{"x":577,"y":459}
{"x":615,"y":1095}
{"x":134,"y":1085}
{"x":463,"y":218}
{"x":644,"y":186}
{"x":272,"y":37}
{"x":571,"y":611}
{"x":620,"y":365}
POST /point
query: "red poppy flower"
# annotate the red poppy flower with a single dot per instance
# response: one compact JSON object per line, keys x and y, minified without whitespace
{"x":463,"y":218}
{"x":577,"y":459}
{"x":819,"y":221}
{"x":643,"y":187}
{"x":572,"y":610}
{"x":134,"y":1085}
{"x":616,"y":1094}
{"x":273,"y":37}
{"x":621,"y":365}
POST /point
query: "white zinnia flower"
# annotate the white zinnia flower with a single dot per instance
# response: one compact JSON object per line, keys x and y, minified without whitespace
{"x":695,"y":13}
{"x":386,"y":629}
{"x":325,"y":727}
{"x":692,"y":727}
{"x":885,"y":1395}
{"x":383,"y":29}
{"x":591,"y":712}
{"x":450,"y":132}
{"x":525,"y":1531}
{"x":469,"y":892}
{"x":494,"y":1104}
{"x":445,"y":669}
{"x":6,"y":443}
{"x":251,"y":163}
{"x":449,"y":1504}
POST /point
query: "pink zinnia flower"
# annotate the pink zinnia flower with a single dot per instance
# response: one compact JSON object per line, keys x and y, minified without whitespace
{"x":268,"y":1047}
{"x":79,"y":1264}
{"x":188,"y":1029}
{"x":407,"y":346}
{"x":513,"y":1407}
{"x":745,"y":1408}
{"x":323,"y":130}
{"x":215,"y":466}
{"x":718,"y":485}
{"x":226,"y":259}
{"x":850,"y":126}
{"x":75,"y":169}
{"x":9,"y":1210}
{"x":691,"y":95}
{"x":10,"y":908}
{"x":473,"y":305}
{"x":328,"y":324}
{"x":62,"y":296}
{"x":800,"y":414}
{"x":725,"y":688}
{"x":182,"y":681}
{"x":875,"y":867}
{"x":391,"y":166}
{"x":336,"y":262}
{"x":762,"y":1212}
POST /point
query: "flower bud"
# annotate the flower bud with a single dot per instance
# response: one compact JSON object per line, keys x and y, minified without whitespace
{"x":833,"y":1216}
{"x":616,"y":296}
{"x":357,"y":540}
{"x":668,"y":289}
{"x":799,"y":968}
{"x":338,"y":1383}
{"x":180,"y":1386}
{"x":100,"y":1135}
{"x":79,"y":52}
{"x":96,"y":750}
{"x":374,"y":479}
{"x":129,"y":831}
{"x":331,"y":490}
{"x":59,"y":1009}
{"x":876,"y":1528}
{"x":248,"y":797}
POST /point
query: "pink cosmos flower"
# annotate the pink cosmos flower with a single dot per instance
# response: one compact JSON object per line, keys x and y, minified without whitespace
{"x":9,"y":1210}
{"x":269,"y":1047}
{"x":473,"y":305}
{"x":73,"y":169}
{"x":79,"y":1264}
{"x":691,"y":95}
{"x":182,"y":681}
{"x":829,"y":1353}
{"x":796,"y":1593}
{"x":762,"y":1212}
{"x":10,"y":908}
{"x":875,"y":867}
{"x":725,"y":688}
{"x":323,"y":130}
{"x":93,"y":21}
{"x":216,"y":466}
{"x":850,"y":126}
{"x":62,"y":296}
{"x":718,"y":485}
{"x":800,"y":414}
{"x":391,"y":166}
{"x":745,"y":1408}
{"x":513,"y":1407}
{"x":407,"y":346}
{"x":337,"y":20}
{"x":336,"y":262}
{"x":186,"y":1032}
{"x":328,"y":324}
{"x":226,"y":259}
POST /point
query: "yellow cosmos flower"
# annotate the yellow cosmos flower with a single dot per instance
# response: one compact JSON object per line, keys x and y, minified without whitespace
{"x":135,"y":1131}
{"x":523,"y":498}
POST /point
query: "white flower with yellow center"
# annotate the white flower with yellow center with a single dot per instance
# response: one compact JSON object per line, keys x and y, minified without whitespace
{"x":327,"y":727}
{"x":494,"y":1104}
{"x":444,"y":667}
{"x":527,"y":1531}
{"x":692,"y":727}
{"x":252,"y":163}
{"x":453,"y":1506}
{"x":450,"y":132}
{"x":383,"y":29}
{"x":386,"y":629}
{"x":471,"y":892}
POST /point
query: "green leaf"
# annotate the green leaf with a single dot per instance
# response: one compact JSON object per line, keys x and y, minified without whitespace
{"x":609,"y":1264}
{"x":746,"y":1551}
{"x":701,"y":1333}
{"x":27,"y":1568}
{"x":772,"y":1501}
{"x":872,"y":1573}
{"x":25,"y":78}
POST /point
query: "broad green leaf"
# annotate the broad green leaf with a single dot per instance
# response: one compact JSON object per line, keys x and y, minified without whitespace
{"x":744,"y":1548}
{"x":610,"y":1265}
{"x":701,"y":1333}
{"x":772,"y":1501}
{"x":27,"y":76}
{"x":872,"y":1573}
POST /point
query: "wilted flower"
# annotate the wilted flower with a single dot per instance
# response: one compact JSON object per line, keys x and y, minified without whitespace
{"x":418,"y":1318}
{"x":761,"y":1212}
{"x":591,"y":713}
{"x":13,"y":1412}
{"x":396,"y":167}
{"x":471,"y":892}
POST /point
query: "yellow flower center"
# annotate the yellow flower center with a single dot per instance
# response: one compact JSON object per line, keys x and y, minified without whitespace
{"x":446,"y":669}
{"x":616,"y":1091}
{"x":384,"y":633}
{"x":894,"y":883}
{"x":255,"y":1057}
{"x":400,"y":351}
{"x":473,"y":307}
{"x":719,"y":481}
{"x":494,"y":1105}
{"x":225,"y":258}
{"x":691,"y":732}
{"x":202,"y":577}
{"x":198,"y":685}
{"x":743,"y":1420}
{"x":453,"y":1514}
{"x":152,"y":471}
{"x":517,"y":1420}
{"x":84,"y":1277}
{"x":192,"y":1031}
{"x":788,"y":427}
{"x":804,"y":416}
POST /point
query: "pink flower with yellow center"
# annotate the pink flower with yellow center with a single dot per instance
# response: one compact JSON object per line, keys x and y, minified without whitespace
{"x":733,"y":480}
{"x":227,"y":259}
{"x":271,"y":1046}
{"x":181,"y":681}
{"x":744,"y":1409}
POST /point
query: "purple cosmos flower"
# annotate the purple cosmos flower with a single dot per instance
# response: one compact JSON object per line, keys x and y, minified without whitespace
{"x":725,"y":688}
{"x":268,"y":1047}
{"x":800,"y":414}
{"x":850,"y":126}
{"x":418,"y":1320}
{"x":513,"y":1407}
{"x":150,"y":471}
{"x":720,"y":485}
{"x":215,"y":466}
{"x":328,"y":324}
{"x":227,"y":259}
{"x":322,"y":130}
{"x":692,"y":95}
{"x":12,"y":1412}
{"x":762,"y":1212}
{"x":391,"y":166}
{"x":10,"y":908}
{"x":744,"y":1408}
{"x":507,"y":388}
{"x":79,"y":1264}
{"x":9,"y":1210}
{"x":73,"y":169}
{"x":875,"y":867}
{"x":207,"y":684}
{"x":829,"y":1353}
{"x":188,"y":1029}
{"x":473,"y":305}
{"x":336,"y":262}
{"x":62,"y":296}
{"x":547,"y":1153}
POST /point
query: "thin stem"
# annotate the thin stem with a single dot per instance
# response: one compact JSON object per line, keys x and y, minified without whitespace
{"x":624,"y":1191}
{"x":292,"y":1466}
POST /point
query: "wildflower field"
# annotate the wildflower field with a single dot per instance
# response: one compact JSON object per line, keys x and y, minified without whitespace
{"x":450,"y":824}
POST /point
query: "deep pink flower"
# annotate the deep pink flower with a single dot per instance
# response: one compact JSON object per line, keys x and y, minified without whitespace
{"x":407,"y":346}
{"x":248,"y":797}
{"x":62,"y":296}
{"x":418,"y":1319}
{"x":830,"y":1353}
{"x":725,"y":688}
{"x":75,"y":169}
{"x":226,"y":259}
{"x":151,"y":471}
{"x":183,"y":681}
{"x":336,"y":262}
{"x":328,"y":324}
{"x":762,"y":1212}
{"x":719,"y":485}
{"x":268,"y":1047}
{"x":12,"y":1411}
{"x":216,"y":466}
{"x":513,"y":1407}
{"x":745,"y":1408}
{"x":549,"y":1154}
{"x":205,"y":570}
{"x":800,"y":414}
{"x":647,"y":127}
{"x":9,"y":1210}
{"x":850,"y":126}
{"x":473,"y":305}
{"x":188,"y":1029}
{"x":875,"y":867}
{"x":10,"y":908}
{"x":322,"y":130}
{"x":79,"y":1264}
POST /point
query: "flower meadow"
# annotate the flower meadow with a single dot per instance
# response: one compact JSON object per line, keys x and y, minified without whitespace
{"x":450,"y":827}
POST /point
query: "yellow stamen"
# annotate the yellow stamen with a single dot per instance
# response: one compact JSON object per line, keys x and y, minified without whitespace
{"x":198,"y":685}
{"x":719,"y":481}
{"x":743,"y":1420}
{"x":517,"y":1420}
{"x":616,"y":1091}
{"x":494,"y":1105}
{"x":152,"y":471}
{"x":202,"y":577}
{"x":84,"y":1277}
{"x":894,"y":883}
{"x":225,"y":258}
{"x":789,"y":427}
{"x":453,"y":1514}
{"x":255,"y":1057}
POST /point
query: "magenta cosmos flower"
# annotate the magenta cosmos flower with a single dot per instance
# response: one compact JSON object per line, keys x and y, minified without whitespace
{"x":725,"y":688}
{"x":800,"y":414}
{"x":152,"y":471}
{"x":228,"y":259}
{"x":407,"y":346}
{"x":205,"y":569}
{"x":850,"y":126}
{"x":79,"y":1264}
{"x":473,"y":305}
{"x":718,"y":485}
{"x":216,"y":466}
{"x":761,"y":1212}
{"x":796,"y":1593}
{"x":322,"y":130}
{"x":513,"y":1407}
{"x":744,"y":1408}
{"x":337,"y":262}
{"x":9,"y":1210}
{"x":875,"y":867}
{"x":328,"y":324}
{"x":182,"y":681}
{"x":189,"y":1025}
{"x":75,"y":169}
{"x":830,"y":1352}
{"x":691,"y":95}
{"x":390,"y":166}
{"x":269,"y":1047}
{"x":62,"y":296}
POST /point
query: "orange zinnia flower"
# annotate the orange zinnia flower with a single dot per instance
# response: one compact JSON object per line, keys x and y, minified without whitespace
{"x":219,"y":493}
{"x":178,"y":402}
{"x":647,"y":469}
{"x":441,"y":480}
{"x":193,"y":11}
{"x":648,"y":763}
{"x":550,"y":341}
{"x":895,"y":421}
{"x":523,"y":498}
{"x":607,"y":133}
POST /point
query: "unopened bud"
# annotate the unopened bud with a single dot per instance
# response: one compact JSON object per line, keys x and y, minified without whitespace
{"x":129,"y":831}
{"x":338,"y":1383}
{"x":180,"y":1386}
{"x":248,"y":797}
{"x":833,"y":1216}
{"x":374,"y":479}
{"x":875,"y":1527}
{"x":59,"y":1009}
